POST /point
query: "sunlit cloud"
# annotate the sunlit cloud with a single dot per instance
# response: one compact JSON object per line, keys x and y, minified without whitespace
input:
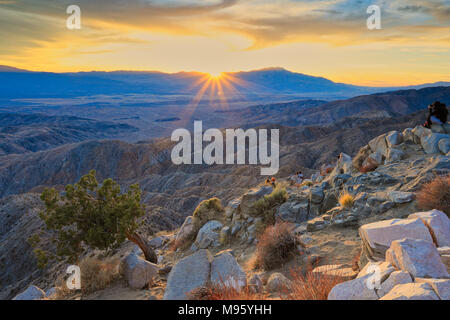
{"x":224,"y":35}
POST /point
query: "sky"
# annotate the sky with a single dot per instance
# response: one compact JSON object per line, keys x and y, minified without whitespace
{"x":327,"y":38}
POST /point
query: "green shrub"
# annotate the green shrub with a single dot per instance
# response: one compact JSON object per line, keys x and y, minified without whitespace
{"x":207,"y":210}
{"x":266,"y":206}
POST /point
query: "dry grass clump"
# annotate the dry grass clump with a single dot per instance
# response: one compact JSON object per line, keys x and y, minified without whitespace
{"x":435,"y":195}
{"x":311,"y":285}
{"x":266,"y":206}
{"x":97,"y":275}
{"x":225,"y":292}
{"x":276,"y":246}
{"x":307,"y":183}
{"x":346,"y":200}
{"x":206,"y":211}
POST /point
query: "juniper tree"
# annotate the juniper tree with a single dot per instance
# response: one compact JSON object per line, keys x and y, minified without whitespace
{"x":90,"y":215}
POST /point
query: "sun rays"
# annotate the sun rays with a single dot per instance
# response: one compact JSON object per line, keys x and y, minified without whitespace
{"x":214,"y":89}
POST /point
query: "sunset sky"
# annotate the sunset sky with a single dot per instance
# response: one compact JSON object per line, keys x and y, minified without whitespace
{"x":326,"y":38}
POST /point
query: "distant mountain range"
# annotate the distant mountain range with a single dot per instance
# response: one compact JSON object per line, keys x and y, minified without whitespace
{"x":17,"y":83}
{"x":316,"y":112}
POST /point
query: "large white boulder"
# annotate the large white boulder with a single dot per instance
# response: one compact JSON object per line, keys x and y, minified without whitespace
{"x":419,"y":132}
{"x":382,"y":268}
{"x":439,"y":224}
{"x":394,"y":138}
{"x":394,"y":279}
{"x":31,"y":293}
{"x":411,"y":291}
{"x":189,"y":273}
{"x":208,"y":235}
{"x":394,"y":155}
{"x":379,"y":145}
{"x":356,"y":289}
{"x":225,"y":270}
{"x":444,"y":145}
{"x":378,"y":236}
{"x":138,"y":272}
{"x":185,"y":232}
{"x":430,"y":143}
{"x":419,"y":257}
{"x":440,"y":286}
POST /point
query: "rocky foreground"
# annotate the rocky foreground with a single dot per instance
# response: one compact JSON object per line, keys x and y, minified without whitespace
{"x":379,"y":245}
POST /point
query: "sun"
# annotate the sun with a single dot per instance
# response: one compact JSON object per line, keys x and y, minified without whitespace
{"x":215,"y":75}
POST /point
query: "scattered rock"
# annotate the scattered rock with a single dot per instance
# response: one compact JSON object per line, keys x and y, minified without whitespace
{"x":277,"y":282}
{"x":138,"y":272}
{"x":430,"y":143}
{"x":394,"y":155}
{"x":316,"y":195}
{"x":208,"y":235}
{"x":379,"y":145}
{"x":226,"y":271}
{"x":158,"y":242}
{"x":378,"y":236}
{"x":419,"y":132}
{"x":165,"y":270}
{"x":440,"y":286}
{"x":32,"y":293}
{"x":444,"y":145}
{"x":401,"y":197}
{"x":293,"y":212}
{"x":255,"y":283}
{"x":185,"y":232}
{"x":249,"y":198}
{"x":411,"y":291}
{"x":356,"y":289}
{"x":438,"y":223}
{"x":51,"y":293}
{"x":419,"y":257}
{"x":337,"y":271}
{"x":408,"y":135}
{"x":188,"y":274}
{"x":394,"y":138}
{"x":384,"y":268}
{"x":316,"y":224}
{"x":395,"y":278}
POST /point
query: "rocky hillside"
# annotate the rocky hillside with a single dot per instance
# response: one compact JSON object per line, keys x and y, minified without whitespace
{"x":22,"y":133}
{"x":375,"y":106}
{"x":381,"y":181}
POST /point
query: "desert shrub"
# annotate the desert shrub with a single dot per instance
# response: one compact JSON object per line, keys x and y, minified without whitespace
{"x":266,"y":206}
{"x":435,"y":195}
{"x":346,"y":200}
{"x":311,"y":285}
{"x":307,"y":183}
{"x":206,"y":211}
{"x":276,"y":246}
{"x":97,"y":275}
{"x":224,"y":292}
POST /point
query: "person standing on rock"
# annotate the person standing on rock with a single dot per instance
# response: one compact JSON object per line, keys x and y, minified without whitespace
{"x":437,"y":114}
